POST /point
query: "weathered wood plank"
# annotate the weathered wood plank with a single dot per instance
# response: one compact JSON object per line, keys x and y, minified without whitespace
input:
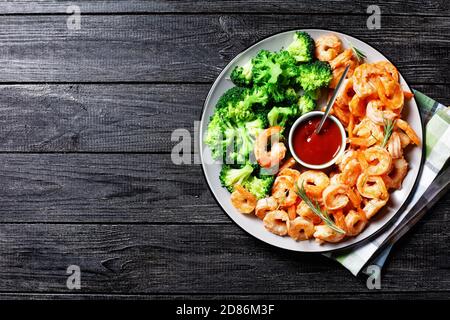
{"x":96,"y":118}
{"x":105,"y":188}
{"x":194,"y":48}
{"x":428,"y":7}
{"x":166,"y":259}
{"x":108,"y":118}
{"x":373,"y":295}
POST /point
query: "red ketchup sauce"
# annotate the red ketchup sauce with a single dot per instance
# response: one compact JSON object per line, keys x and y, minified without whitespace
{"x":315,"y":148}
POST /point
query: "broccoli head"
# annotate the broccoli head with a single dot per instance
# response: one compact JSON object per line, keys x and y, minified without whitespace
{"x":302,"y":48}
{"x":265,"y":68}
{"x":306,"y":104}
{"x":290,"y":96}
{"x":289,"y":68}
{"x":214,"y":136}
{"x":260,"y":187}
{"x":314,"y":75}
{"x":229,"y":176}
{"x":241,"y":76}
{"x":280,"y":116}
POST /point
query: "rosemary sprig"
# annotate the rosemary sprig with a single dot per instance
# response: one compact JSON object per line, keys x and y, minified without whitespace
{"x":322,"y":214}
{"x":358,"y":53}
{"x":388,"y":129}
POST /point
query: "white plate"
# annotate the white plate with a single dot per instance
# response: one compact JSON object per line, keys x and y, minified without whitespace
{"x":252,"y":224}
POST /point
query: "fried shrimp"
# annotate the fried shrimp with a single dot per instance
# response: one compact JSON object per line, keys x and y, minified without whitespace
{"x":346,"y":94}
{"x":300,"y":229}
{"x":390,"y":93}
{"x":284,"y":191}
{"x":265,"y":205}
{"x":373,"y":206}
{"x":335,"y":196}
{"x":304,"y":211}
{"x":362,"y":83}
{"x":371,"y":187}
{"x":325,"y":233}
{"x":243,"y":200}
{"x":394,"y":146}
{"x":355,"y":222}
{"x":366,"y":133}
{"x":375,"y":112}
{"x":379,"y":160}
{"x":358,"y":106}
{"x":294,"y":174}
{"x":314,"y":182}
{"x":277,"y":222}
{"x":265,"y":158}
{"x":404,"y":126}
{"x":394,"y":179}
{"x":328,"y":47}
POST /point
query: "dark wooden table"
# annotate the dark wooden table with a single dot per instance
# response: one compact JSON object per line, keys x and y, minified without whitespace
{"x":85,"y":138}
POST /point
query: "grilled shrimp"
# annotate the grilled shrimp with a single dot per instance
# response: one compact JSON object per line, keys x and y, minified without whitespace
{"x":373,"y":206}
{"x":300,"y":229}
{"x":355,"y":222}
{"x":380,"y":161}
{"x":403,"y":125}
{"x":277,"y":222}
{"x":325,"y":233}
{"x":265,"y":158}
{"x":328,"y":47}
{"x":394,"y":146}
{"x":372,"y":187}
{"x":375,"y":113}
{"x":284,"y":191}
{"x":243,"y":200}
{"x":314,"y":182}
{"x":265,"y":205}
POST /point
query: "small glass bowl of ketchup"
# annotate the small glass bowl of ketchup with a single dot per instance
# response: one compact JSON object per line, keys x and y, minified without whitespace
{"x":312,"y":150}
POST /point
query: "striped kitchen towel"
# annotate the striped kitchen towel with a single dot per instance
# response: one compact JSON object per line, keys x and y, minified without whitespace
{"x":437,"y":151}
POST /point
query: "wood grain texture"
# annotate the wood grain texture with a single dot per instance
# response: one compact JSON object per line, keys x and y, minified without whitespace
{"x":194,"y":48}
{"x":427,"y":7}
{"x":103,"y":188}
{"x":108,"y":118}
{"x":180,"y":259}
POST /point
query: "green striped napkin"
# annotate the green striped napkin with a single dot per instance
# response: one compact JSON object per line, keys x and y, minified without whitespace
{"x":437,"y":119}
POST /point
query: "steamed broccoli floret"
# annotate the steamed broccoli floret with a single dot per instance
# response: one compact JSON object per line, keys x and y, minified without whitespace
{"x":260,"y":187}
{"x":290,"y":96}
{"x":214,"y":136}
{"x":229,"y":176}
{"x":241,"y":76}
{"x":314,"y":94}
{"x":280,"y":116}
{"x":314,"y":75}
{"x":302,"y":48}
{"x":265,"y":69}
{"x":306,"y":104}
{"x":289,"y":68}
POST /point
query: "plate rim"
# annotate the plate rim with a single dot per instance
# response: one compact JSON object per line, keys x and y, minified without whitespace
{"x":357,"y":243}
